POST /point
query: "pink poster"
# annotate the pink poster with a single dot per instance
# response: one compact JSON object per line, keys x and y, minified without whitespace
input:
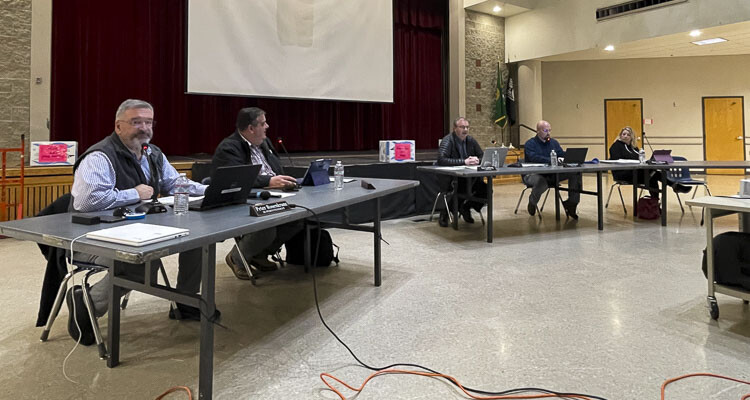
{"x":50,"y":153}
{"x":402,"y":151}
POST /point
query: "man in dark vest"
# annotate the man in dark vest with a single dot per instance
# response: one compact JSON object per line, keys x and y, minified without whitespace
{"x":124,"y":169}
{"x":248,"y":144}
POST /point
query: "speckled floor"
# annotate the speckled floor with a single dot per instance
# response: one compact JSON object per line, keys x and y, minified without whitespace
{"x":557,"y":305}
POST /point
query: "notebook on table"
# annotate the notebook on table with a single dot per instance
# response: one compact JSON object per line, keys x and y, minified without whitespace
{"x":138,"y":234}
{"x":229,"y":185}
{"x":501,"y":152}
{"x":575,"y":156}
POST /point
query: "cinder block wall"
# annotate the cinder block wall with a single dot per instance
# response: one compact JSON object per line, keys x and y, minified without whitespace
{"x":15,"y":70}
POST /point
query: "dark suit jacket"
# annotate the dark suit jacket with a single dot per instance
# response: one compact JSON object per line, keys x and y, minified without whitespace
{"x":234,"y":150}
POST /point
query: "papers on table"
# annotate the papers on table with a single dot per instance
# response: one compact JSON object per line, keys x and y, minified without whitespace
{"x":533,"y":165}
{"x":169,"y":200}
{"x":276,"y":193}
{"x":346,"y":180}
{"x":620,"y":161}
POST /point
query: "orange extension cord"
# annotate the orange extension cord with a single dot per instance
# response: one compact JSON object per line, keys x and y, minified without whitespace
{"x":432,"y":375}
{"x":174,"y":389}
{"x":668,"y":381}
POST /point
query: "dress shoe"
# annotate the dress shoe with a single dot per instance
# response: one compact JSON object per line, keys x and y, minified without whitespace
{"x":192,"y":314}
{"x":466,"y":214}
{"x":531,"y":208}
{"x":570,"y":209}
{"x":443,"y":218}
{"x":261,"y":262}
{"x":680,"y":188}
{"x":81,"y":315}
{"x":239,"y":272}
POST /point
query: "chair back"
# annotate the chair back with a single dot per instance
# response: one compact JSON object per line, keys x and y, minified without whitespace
{"x":678,"y":173}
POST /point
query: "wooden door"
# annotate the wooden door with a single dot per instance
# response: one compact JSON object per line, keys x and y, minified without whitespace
{"x":724,"y":132}
{"x":619,"y":113}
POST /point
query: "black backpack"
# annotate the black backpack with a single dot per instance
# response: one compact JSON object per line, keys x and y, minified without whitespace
{"x":295,"y":248}
{"x":731,"y":259}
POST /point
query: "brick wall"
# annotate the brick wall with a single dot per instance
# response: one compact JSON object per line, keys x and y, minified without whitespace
{"x":485,"y":45}
{"x":15,"y":69}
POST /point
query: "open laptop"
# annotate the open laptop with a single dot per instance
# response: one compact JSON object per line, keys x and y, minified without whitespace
{"x":138,"y":234}
{"x":664,"y":156}
{"x":575,"y":156}
{"x":316,"y":174}
{"x":501,"y":152}
{"x":229,"y":185}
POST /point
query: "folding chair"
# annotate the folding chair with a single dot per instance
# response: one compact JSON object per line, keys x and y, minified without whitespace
{"x":682,"y":176}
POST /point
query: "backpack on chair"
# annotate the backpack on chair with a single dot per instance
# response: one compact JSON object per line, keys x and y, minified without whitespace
{"x":295,"y":248}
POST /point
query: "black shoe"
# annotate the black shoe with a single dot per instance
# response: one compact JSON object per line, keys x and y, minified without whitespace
{"x":81,"y":315}
{"x":443,"y":218}
{"x":531,"y":208}
{"x":680,"y":188}
{"x":570,"y":209}
{"x":466,"y":214}
{"x":192,"y":314}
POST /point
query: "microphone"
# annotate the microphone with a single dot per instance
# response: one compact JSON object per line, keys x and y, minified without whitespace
{"x":264,"y":194}
{"x":280,"y":141}
{"x":647,"y":142}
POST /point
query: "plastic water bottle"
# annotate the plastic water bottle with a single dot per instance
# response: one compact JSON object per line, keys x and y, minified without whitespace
{"x":642,"y":156}
{"x":553,"y":158}
{"x":338,"y":175}
{"x":181,"y":195}
{"x":495,"y":161}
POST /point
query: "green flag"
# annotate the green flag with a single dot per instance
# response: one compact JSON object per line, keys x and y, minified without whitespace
{"x":499,"y":113}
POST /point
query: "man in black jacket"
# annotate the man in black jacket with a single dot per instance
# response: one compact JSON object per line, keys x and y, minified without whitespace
{"x":458,"y":148}
{"x":249,"y":145}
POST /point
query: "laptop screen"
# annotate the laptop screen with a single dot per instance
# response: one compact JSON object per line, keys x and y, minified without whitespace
{"x":501,"y":152}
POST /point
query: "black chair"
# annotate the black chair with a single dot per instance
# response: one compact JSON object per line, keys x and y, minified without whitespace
{"x":622,"y":200}
{"x":538,"y":210}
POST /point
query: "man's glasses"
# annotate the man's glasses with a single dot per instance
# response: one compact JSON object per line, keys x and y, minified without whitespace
{"x":147,"y":123}
{"x":546,"y":130}
{"x":463,"y":126}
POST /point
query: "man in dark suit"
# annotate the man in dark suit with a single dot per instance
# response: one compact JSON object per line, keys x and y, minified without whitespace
{"x":249,"y":145}
{"x":458,"y":148}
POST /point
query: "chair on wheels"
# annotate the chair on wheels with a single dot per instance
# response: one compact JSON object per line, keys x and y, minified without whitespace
{"x":622,"y":200}
{"x":539,"y":210}
{"x":682,"y":176}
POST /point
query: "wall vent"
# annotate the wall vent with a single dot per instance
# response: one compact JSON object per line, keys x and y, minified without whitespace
{"x":631,"y":7}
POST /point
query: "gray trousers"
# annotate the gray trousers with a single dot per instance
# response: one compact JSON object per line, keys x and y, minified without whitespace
{"x":265,"y":242}
{"x":540,"y":182}
{"x":188,"y":276}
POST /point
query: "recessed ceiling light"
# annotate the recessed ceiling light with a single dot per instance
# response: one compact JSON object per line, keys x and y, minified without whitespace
{"x":496,"y":9}
{"x":610,"y":48}
{"x":709,"y":41}
{"x":695,"y":33}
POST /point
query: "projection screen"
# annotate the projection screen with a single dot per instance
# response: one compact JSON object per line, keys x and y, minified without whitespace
{"x":308,"y":49}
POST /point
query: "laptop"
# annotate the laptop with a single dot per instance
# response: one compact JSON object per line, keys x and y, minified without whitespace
{"x":229,"y":185}
{"x":664,"y":156}
{"x":501,"y":152}
{"x":138,"y":234}
{"x":575,"y":156}
{"x":316,"y":174}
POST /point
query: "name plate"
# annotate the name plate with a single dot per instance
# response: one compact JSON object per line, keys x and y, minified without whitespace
{"x":261,"y":209}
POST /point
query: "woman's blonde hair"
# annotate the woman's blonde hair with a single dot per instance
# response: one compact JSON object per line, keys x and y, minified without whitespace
{"x":630,"y":130}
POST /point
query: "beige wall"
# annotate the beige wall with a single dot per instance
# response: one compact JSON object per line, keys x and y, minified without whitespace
{"x":546,"y":30}
{"x":41,"y":66}
{"x":573,"y":96}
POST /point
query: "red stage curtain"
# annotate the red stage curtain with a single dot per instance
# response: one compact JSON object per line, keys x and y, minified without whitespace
{"x":104,"y":52}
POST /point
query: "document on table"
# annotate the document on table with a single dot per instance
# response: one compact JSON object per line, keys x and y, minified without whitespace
{"x":169,"y":200}
{"x":346,"y":180}
{"x":276,"y":193}
{"x":620,"y":161}
{"x":533,"y":165}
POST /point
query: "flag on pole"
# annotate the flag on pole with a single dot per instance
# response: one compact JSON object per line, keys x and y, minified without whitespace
{"x":499,"y":114}
{"x":510,"y":100}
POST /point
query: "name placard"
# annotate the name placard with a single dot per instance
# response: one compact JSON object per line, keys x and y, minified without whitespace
{"x":261,"y":209}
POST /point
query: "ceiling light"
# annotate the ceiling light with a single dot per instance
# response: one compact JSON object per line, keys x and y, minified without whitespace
{"x":610,"y":48}
{"x":695,"y":33}
{"x":496,"y":9}
{"x":709,"y":41}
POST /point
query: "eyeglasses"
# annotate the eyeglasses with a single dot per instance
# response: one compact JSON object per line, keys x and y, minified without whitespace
{"x":462,"y":126}
{"x":546,"y":130}
{"x":141,"y":122}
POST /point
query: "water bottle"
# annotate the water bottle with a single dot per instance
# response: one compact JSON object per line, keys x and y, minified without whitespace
{"x":495,"y":161}
{"x":338,"y":175}
{"x":181,"y":195}
{"x":553,"y":158}
{"x":642,"y":156}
